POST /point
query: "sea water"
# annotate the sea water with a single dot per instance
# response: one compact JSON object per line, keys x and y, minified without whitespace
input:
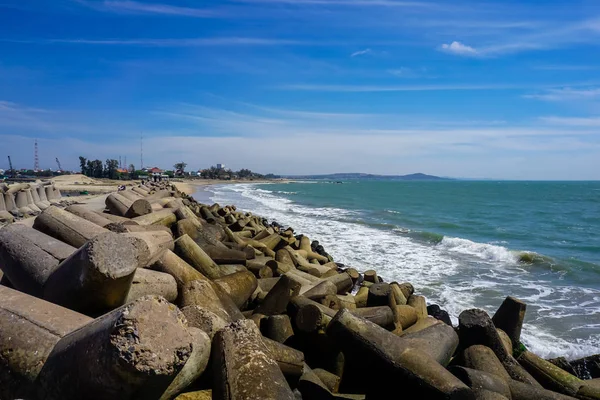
{"x":462,"y":244}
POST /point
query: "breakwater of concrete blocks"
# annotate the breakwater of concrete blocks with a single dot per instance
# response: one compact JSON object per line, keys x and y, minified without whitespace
{"x":25,"y":200}
{"x":161,"y":297}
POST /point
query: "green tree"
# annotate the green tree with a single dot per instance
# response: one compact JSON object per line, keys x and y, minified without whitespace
{"x":111,"y":168}
{"x":83,"y":163}
{"x":131,"y":168}
{"x":179,"y":168}
{"x":95,"y":169}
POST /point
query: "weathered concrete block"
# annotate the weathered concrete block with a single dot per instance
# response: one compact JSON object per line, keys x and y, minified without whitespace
{"x":67,"y":227}
{"x":509,"y":317}
{"x":29,"y":330}
{"x":243,"y":368}
{"x":135,"y":351}
{"x":148,"y":282}
{"x":28,"y":257}
{"x":97,"y":277}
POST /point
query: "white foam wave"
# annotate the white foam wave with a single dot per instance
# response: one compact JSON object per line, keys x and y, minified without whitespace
{"x":457,"y":274}
{"x":485,"y":251}
{"x":393,"y":212}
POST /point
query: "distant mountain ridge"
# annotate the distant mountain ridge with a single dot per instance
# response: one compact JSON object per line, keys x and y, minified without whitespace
{"x":357,"y":175}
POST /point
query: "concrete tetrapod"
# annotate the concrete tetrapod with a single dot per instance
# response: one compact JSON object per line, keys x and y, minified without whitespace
{"x":209,"y":295}
{"x":187,"y":249}
{"x":9,"y":203}
{"x":30,"y":202}
{"x":239,"y":286}
{"x":278,"y":328}
{"x":165,"y":217}
{"x":42,"y":205}
{"x":195,"y":365}
{"x":243,"y":368}
{"x":22,"y":203}
{"x":290,"y":360}
{"x":509,"y":317}
{"x":157,"y":242}
{"x":481,"y":381}
{"x":67,"y":227}
{"x":549,"y":375}
{"x":146,"y":282}
{"x":28,"y":257}
{"x":439,"y":341}
{"x":419,"y":304}
{"x":386,"y":359}
{"x":133,"y":352}
{"x":87,"y":214}
{"x":202,"y":318}
{"x":29,"y":330}
{"x":482,"y":358}
{"x":277,"y":299}
{"x":97,"y":277}
{"x":476,"y":327}
{"x":523,"y":391}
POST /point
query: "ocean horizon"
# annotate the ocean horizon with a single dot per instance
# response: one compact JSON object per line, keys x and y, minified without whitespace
{"x":462,"y":243}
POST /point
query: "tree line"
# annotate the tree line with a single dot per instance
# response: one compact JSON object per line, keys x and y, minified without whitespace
{"x":110,"y":169}
{"x":96,"y":169}
{"x":244,"y":173}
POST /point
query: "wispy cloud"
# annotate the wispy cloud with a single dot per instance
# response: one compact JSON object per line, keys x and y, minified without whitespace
{"x":411,"y":73}
{"x":154,"y":8}
{"x":399,"y":88}
{"x":572,"y":121}
{"x":350,"y":3}
{"x":558,"y":67}
{"x":135,"y":7}
{"x":361,"y":52}
{"x":183,"y":42}
{"x":459,"y":49}
{"x":566,"y":94}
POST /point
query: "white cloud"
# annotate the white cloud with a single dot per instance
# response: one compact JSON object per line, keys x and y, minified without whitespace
{"x":566,"y":94}
{"x":459,"y":48}
{"x":398,"y":88}
{"x":572,"y":121}
{"x":361,"y":52}
{"x":134,"y":7}
{"x":380,"y":142}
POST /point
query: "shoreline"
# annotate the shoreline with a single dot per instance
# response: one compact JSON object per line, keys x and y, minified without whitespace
{"x":190,"y":186}
{"x":280,"y":279}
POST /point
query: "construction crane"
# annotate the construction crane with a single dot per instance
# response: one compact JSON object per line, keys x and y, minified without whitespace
{"x":58,"y":163}
{"x":11,"y":170}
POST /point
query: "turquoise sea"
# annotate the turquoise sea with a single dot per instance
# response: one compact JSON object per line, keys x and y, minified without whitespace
{"x":463,"y":244}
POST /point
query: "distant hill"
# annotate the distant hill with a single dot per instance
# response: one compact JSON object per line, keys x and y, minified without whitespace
{"x":358,"y":175}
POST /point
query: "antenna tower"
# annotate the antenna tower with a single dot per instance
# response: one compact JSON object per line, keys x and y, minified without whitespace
{"x":120,"y":163}
{"x":141,"y":151}
{"x":36,"y":159}
{"x":125,"y":162}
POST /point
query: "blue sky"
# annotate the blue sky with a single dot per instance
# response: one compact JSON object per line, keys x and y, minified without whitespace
{"x":492,"y":89}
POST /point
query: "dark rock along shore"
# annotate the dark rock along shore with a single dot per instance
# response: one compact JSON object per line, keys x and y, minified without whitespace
{"x":161,"y":297}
